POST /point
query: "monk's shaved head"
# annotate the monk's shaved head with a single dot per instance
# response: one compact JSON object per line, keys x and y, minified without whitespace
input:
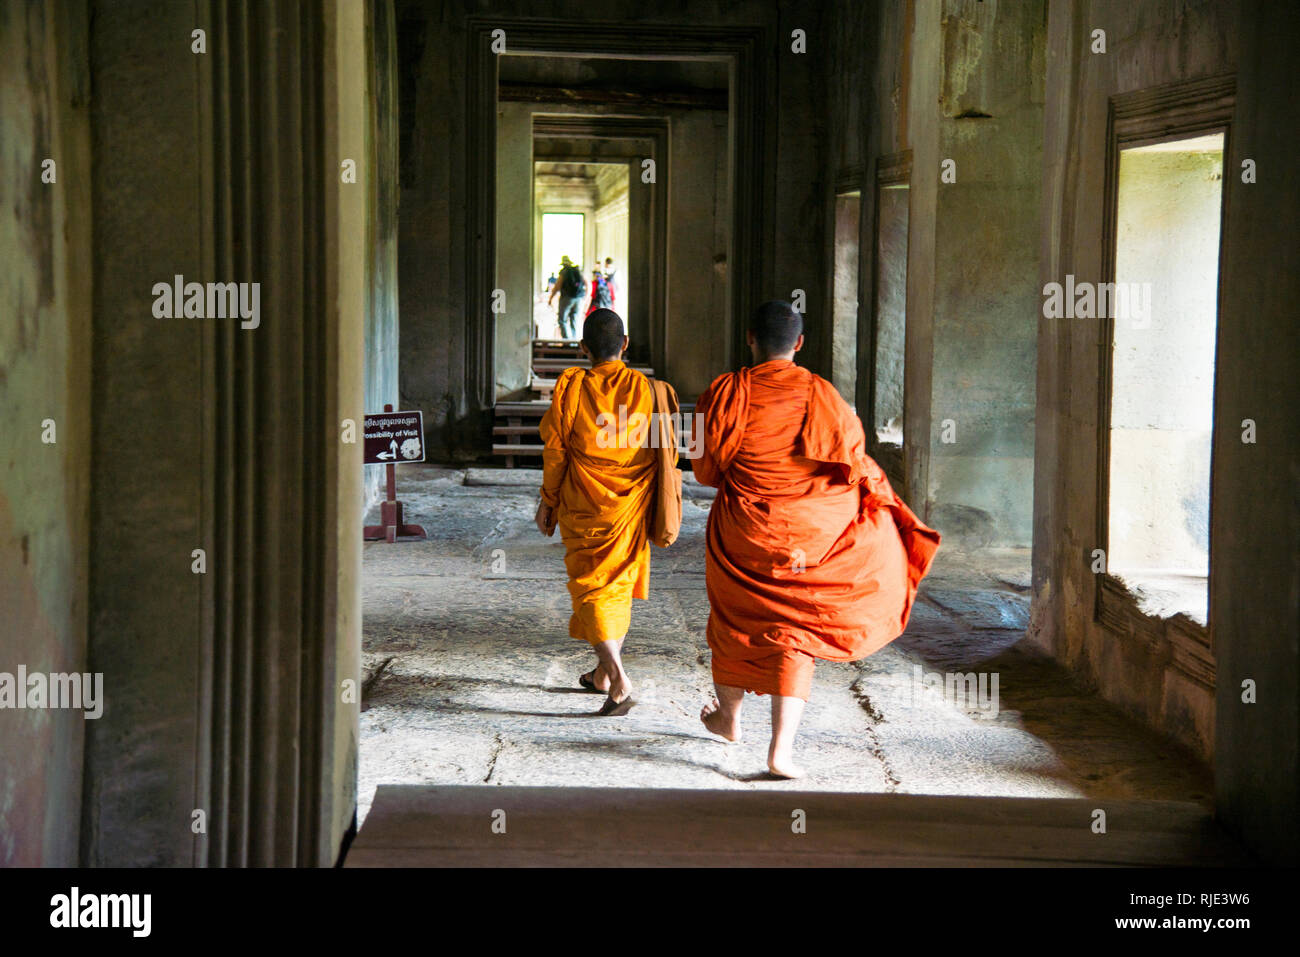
{"x":776,"y":326}
{"x":602,"y":334}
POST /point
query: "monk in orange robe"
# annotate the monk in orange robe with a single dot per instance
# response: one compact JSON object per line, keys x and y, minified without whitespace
{"x":810,"y":554}
{"x":598,"y":480}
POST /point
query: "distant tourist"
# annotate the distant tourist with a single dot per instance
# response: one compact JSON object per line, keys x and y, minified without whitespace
{"x":611,"y":275}
{"x":602,"y":293}
{"x":570,"y":288}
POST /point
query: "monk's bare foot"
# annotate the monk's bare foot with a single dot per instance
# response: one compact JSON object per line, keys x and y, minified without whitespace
{"x":783,"y":766}
{"x":598,"y":679}
{"x":719,"y":723}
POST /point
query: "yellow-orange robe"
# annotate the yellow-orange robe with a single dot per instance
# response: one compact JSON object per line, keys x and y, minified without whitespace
{"x":810,"y":553}
{"x":599,"y":473}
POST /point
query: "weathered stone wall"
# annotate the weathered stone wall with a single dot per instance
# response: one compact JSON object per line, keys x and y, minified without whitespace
{"x":948,"y":53}
{"x":223,"y":682}
{"x":514,"y":240}
{"x":986,"y":296}
{"x":959,"y":81}
{"x":867,"y":101}
{"x":45,"y":298}
{"x":1146,"y":46}
{"x":698,"y":228}
{"x":1254,"y":568}
{"x":150,"y":401}
{"x":802,"y":213}
{"x":380,"y":180}
{"x":1255,"y":517}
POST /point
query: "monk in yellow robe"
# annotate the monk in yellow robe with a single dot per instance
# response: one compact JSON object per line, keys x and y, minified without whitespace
{"x":810,"y":553}
{"x":598,"y":480}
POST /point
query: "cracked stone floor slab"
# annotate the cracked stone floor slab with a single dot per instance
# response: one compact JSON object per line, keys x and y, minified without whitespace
{"x":471,"y":677}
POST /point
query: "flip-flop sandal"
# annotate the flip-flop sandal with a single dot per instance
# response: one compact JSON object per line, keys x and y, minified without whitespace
{"x":616,"y":709}
{"x":588,"y":682}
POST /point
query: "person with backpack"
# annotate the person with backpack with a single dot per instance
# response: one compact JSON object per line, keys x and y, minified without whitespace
{"x":602,"y":293}
{"x":570,"y":287}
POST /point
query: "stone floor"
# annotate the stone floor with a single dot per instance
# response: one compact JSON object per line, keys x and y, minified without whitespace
{"x":471,"y":676}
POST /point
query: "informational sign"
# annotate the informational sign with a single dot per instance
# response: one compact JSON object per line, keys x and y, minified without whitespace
{"x":394,"y":438}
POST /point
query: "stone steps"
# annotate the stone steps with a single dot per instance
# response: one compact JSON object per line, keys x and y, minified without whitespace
{"x":517,"y":422}
{"x":451,"y":826}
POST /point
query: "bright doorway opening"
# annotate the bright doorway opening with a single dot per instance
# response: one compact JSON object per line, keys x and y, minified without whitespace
{"x":562,"y":235}
{"x":890,"y":311}
{"x":581,"y":212}
{"x":844,"y":305}
{"x":1169,"y":209}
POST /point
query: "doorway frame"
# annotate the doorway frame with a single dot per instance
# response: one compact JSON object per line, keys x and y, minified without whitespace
{"x":751,"y":134}
{"x":1169,"y":112}
{"x":536,"y":233}
{"x":654,"y":246}
{"x":847,"y":181}
{"x":890,"y":169}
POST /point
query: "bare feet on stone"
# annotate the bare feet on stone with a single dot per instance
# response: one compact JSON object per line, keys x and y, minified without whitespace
{"x":719,"y":723}
{"x":783,"y":766}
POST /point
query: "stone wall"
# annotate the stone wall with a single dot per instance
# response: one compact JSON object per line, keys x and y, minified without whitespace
{"x":986,"y":296}
{"x":380,"y":180}
{"x":45,"y":299}
{"x":1254,"y":571}
{"x":223,"y":670}
{"x":1255,"y":517}
{"x":962,"y":82}
{"x":1146,"y":48}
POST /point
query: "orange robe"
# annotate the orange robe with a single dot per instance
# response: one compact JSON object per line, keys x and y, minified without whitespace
{"x":810,"y":553}
{"x":599,"y":473}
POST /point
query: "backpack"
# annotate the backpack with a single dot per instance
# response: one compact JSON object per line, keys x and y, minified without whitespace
{"x":602,"y":297}
{"x":665,"y":513}
{"x":572,"y":284}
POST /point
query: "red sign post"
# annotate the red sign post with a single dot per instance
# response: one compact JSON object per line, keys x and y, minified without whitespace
{"x":392,"y":437}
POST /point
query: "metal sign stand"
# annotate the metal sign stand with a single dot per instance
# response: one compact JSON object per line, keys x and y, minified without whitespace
{"x":390,"y":513}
